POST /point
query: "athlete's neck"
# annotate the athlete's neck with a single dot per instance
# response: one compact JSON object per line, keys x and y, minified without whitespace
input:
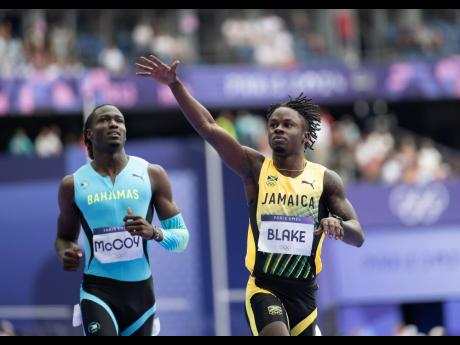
{"x":292,"y":165}
{"x":110,"y":164}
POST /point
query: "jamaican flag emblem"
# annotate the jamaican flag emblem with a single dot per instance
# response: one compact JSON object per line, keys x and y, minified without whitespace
{"x":271,"y":180}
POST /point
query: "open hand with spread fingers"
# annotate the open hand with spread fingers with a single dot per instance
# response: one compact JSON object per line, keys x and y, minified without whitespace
{"x":154,"y":68}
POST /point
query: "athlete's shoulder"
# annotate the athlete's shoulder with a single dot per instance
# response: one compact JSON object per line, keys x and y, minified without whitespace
{"x":317,"y":166}
{"x":138,"y":160}
{"x":66,"y":187}
{"x":156,"y":170}
{"x":67,"y":180}
{"x":333,"y":183}
{"x":82,"y":170}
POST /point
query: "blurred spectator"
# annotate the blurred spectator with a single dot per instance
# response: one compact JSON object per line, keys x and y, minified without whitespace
{"x":345,"y":30}
{"x":264,"y":40}
{"x":11,"y":53}
{"x":143,"y":35}
{"x":372,"y":150}
{"x":48,"y":142}
{"x":429,"y":162}
{"x":226,"y":121}
{"x":249,"y":129}
{"x":20,"y":144}
{"x":276,"y":38}
{"x":323,"y":145}
{"x":7,"y":328}
{"x":437,"y":331}
{"x":62,"y":43}
{"x":409,"y":331}
{"x":112,"y":59}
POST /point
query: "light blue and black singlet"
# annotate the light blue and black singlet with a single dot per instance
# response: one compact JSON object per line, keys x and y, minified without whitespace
{"x":115,"y":261}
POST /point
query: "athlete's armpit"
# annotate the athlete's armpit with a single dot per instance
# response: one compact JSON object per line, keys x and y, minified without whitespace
{"x":338,"y":205}
{"x":162,"y":192}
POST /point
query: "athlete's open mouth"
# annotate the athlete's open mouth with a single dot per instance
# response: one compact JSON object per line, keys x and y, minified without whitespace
{"x":114,"y":134}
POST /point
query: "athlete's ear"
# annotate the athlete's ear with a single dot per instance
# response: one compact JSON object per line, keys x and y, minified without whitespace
{"x":88,"y":135}
{"x":306,"y":138}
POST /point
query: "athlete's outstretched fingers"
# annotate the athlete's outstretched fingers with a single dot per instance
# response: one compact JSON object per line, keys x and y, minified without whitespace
{"x":158,"y":61}
{"x":144,"y":74}
{"x":144,"y":67}
{"x":149,"y":62}
{"x":174,"y":66}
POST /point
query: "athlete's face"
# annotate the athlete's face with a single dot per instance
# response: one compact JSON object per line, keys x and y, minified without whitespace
{"x":108,"y":130}
{"x":287,"y":131}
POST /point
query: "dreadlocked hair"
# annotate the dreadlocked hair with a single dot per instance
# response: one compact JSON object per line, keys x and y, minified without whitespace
{"x":308,"y":110}
{"x":86,"y":127}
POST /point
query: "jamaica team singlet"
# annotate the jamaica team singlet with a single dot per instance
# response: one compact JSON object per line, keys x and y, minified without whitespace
{"x":281,"y":243}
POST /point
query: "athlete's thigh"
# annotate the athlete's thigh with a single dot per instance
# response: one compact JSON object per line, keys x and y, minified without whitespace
{"x":146,"y":329}
{"x":97,"y":320}
{"x":263,"y":309}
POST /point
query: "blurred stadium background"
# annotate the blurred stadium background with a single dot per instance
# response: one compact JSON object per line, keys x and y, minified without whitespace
{"x":388,"y":82}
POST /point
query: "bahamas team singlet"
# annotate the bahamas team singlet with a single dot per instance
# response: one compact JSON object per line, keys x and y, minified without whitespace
{"x":281,"y":243}
{"x":110,"y":250}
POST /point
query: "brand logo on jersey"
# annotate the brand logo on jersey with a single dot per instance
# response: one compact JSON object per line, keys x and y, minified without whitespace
{"x":271,"y":180}
{"x":94,"y":327}
{"x":275,"y":310}
{"x":139,"y":176}
{"x":309,"y":183}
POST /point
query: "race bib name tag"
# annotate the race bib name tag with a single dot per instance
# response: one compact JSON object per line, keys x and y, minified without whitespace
{"x":286,"y":235}
{"x":115,"y":244}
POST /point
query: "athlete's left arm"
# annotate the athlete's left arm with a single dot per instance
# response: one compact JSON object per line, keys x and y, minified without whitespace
{"x":173,"y":234}
{"x":345,"y":226}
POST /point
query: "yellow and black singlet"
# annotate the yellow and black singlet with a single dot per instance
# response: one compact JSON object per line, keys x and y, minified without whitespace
{"x":281,"y":243}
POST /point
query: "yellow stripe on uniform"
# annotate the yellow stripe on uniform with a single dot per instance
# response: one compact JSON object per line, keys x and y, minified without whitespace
{"x":251,"y":251}
{"x":303,"y":325}
{"x":293,"y":266}
{"x":318,"y":263}
{"x":251,"y":290}
{"x":275,"y":266}
{"x":285,"y":264}
{"x":267,"y":263}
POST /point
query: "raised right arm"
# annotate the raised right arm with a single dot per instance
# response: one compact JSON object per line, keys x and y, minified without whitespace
{"x":239,"y":158}
{"x":66,"y":243}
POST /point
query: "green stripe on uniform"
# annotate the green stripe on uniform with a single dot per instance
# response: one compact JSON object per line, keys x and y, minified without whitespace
{"x":272,"y":271}
{"x":301,"y":266}
{"x":267,"y":263}
{"x":293,"y":266}
{"x":307,"y":272}
{"x":283,"y":267}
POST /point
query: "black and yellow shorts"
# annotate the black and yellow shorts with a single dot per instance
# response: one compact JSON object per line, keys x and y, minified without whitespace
{"x":293,"y":303}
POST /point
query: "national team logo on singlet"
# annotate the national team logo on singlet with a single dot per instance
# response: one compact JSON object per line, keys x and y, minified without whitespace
{"x":286,"y":235}
{"x":272,"y":180}
{"x":115,"y":244}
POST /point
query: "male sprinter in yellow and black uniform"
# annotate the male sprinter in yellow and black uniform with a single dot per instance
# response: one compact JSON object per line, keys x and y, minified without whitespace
{"x":293,"y":205}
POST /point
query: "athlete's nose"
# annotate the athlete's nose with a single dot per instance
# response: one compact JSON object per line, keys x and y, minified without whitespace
{"x":113,"y":123}
{"x":279,"y":130}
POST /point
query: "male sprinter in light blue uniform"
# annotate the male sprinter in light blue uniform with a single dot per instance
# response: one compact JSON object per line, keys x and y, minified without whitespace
{"x":117,"y":296}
